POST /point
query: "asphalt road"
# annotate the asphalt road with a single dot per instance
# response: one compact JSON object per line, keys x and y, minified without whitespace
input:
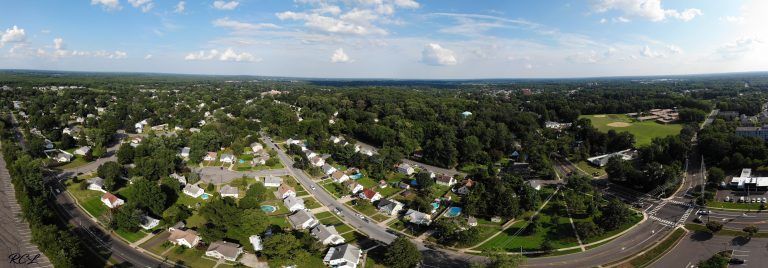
{"x":697,"y":247}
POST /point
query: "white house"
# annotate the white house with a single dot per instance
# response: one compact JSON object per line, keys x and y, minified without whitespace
{"x":140,"y":125}
{"x":227,"y":158}
{"x":335,"y":139}
{"x":328,"y":169}
{"x":370,"y":195}
{"x":224,"y":250}
{"x":187,"y":237}
{"x":405,"y":169}
{"x":445,"y":180}
{"x":294,"y":203}
{"x":182,"y":180}
{"x":284,"y":191}
{"x":210,"y":156}
{"x":344,"y":256}
{"x":302,"y":220}
{"x":256,"y":242}
{"x":366,"y":152}
{"x":193,"y":191}
{"x":310,"y":154}
{"x":327,"y":235}
{"x":417,"y":217}
{"x":96,"y":184}
{"x":184,"y":152}
{"x":111,"y":200}
{"x":317,"y":161}
{"x":472,"y":221}
{"x":272,"y":181}
{"x":229,"y":191}
{"x":257,"y":147}
{"x":147,"y":222}
{"x":389,"y":206}
{"x":353,"y":186}
{"x":83,"y":150}
{"x":63,"y":157}
{"x":339,"y":177}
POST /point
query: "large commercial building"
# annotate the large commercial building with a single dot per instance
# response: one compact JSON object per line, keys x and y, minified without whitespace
{"x":748,"y":182}
{"x":757,"y":132}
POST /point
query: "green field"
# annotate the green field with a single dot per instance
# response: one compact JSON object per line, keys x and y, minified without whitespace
{"x":644,"y":131}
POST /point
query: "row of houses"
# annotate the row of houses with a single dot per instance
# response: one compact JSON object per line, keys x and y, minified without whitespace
{"x":341,"y":255}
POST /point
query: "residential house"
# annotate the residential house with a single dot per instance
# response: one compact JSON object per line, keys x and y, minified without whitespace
{"x":327,"y":235}
{"x":224,"y":250}
{"x":339,"y":177}
{"x":183,"y":237}
{"x":83,"y":150}
{"x":135,"y":141}
{"x":185,"y":152}
{"x":292,"y":141}
{"x":256,"y":147}
{"x":147,"y":222}
{"x":256,"y":242}
{"x":353,"y":186}
{"x":193,"y":191}
{"x":366,"y":152}
{"x":310,"y":154}
{"x":466,"y":187}
{"x":383,"y":184}
{"x":272,"y":181}
{"x":303,"y":220}
{"x":405,"y":169}
{"x":404,"y":185}
{"x":293,"y":203}
{"x":260,"y":160}
{"x":417,"y":217}
{"x":317,"y":161}
{"x":96,"y":184}
{"x":210,"y":156}
{"x":370,"y":195}
{"x":229,"y":191}
{"x":48,"y":144}
{"x":389,"y":206}
{"x":335,"y":139}
{"x":227,"y":158}
{"x":64,"y":157}
{"x":472,"y":221}
{"x":344,"y":256}
{"x":111,"y":200}
{"x":284,"y":191}
{"x":328,"y":169}
{"x":445,"y":180}
{"x":182,"y":180}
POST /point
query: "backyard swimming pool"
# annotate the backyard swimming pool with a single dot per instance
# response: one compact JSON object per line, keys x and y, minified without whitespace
{"x":204,"y":196}
{"x":453,"y":212}
{"x":268,"y":208}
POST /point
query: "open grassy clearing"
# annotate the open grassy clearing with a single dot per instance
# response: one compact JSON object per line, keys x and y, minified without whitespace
{"x":644,"y":131}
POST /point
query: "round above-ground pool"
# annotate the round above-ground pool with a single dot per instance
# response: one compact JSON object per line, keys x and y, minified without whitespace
{"x":204,"y":196}
{"x":268,"y":208}
{"x":453,"y":212}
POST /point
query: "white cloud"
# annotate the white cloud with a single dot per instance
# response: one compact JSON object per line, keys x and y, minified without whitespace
{"x":603,"y":20}
{"x":733,"y":19}
{"x":650,"y":53}
{"x":144,"y":5}
{"x":675,"y":49}
{"x":108,"y":5}
{"x":242,"y":26}
{"x":148,"y":57}
{"x":646,"y":9}
{"x":224,"y":5}
{"x":13,"y":35}
{"x":738,"y":48}
{"x":334,"y":25}
{"x":180,"y":7}
{"x":340,"y":57}
{"x":227,"y":55}
{"x":434,"y":54}
{"x":621,"y":19}
{"x":58,"y":44}
{"x":407,"y":3}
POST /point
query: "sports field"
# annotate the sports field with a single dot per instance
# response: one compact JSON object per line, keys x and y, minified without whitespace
{"x":644,"y":131}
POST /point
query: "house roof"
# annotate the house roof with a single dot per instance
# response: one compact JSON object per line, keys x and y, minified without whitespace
{"x":292,"y":200}
{"x":273,"y":180}
{"x":96,"y":180}
{"x":229,"y":250}
{"x":389,"y":204}
{"x":109,"y":196}
{"x":189,"y":235}
{"x":404,"y":166}
{"x":444,"y":178}
{"x":323,"y":232}
{"x":346,"y":252}
{"x":284,"y":188}
{"x":369,"y":193}
{"x":229,"y":190}
{"x":316,"y":159}
{"x":227,"y":156}
{"x":212,"y":154}
{"x":338,"y":175}
{"x":328,"y":167}
{"x":300,"y":217}
{"x":191,"y":188}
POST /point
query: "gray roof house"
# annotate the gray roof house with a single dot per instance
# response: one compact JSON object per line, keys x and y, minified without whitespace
{"x":302,"y":220}
{"x":229,"y":191}
{"x":222,"y":249}
{"x":327,"y":235}
{"x":344,"y":256}
{"x":389,"y":206}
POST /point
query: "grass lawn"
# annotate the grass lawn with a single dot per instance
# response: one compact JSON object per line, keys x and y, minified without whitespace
{"x":130,"y":237}
{"x":90,"y":200}
{"x":190,"y":257}
{"x":385,"y":192}
{"x":195,"y":220}
{"x":342,"y":228}
{"x":367,"y":182}
{"x":323,"y":215}
{"x":379,"y":218}
{"x":644,"y":131}
{"x":634,"y":220}
{"x":281,"y":221}
{"x":265,"y":167}
{"x":439,"y":190}
{"x":734,"y":205}
{"x":471,"y":167}
{"x":583,"y":165}
{"x":78,"y":162}
{"x":311,"y":203}
{"x":281,"y":209}
{"x":94,"y":206}
{"x":337,"y":190}
{"x":330,"y":221}
{"x":352,"y":236}
{"x":368,"y":209}
{"x":561,"y":235}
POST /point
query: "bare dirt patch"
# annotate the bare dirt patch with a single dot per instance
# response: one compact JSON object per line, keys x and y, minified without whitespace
{"x":619,"y":124}
{"x":599,"y":115}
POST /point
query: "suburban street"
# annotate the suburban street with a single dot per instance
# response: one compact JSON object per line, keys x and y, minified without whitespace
{"x":696,"y":247}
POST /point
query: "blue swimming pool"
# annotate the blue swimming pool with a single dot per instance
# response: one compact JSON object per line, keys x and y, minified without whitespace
{"x":453,"y":212}
{"x":356,"y":176}
{"x":204,"y":196}
{"x":268,"y":208}
{"x":241,"y":161}
{"x":435,"y":205}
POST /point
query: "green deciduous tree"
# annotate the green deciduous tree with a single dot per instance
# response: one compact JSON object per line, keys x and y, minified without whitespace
{"x":402,"y":253}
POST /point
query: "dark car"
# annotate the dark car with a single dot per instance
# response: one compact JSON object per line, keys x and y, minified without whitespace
{"x":736,"y":261}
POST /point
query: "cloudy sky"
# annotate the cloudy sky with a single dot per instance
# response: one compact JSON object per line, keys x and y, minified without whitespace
{"x":387,"y":38}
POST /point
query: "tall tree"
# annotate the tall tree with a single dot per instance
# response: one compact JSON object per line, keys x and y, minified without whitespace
{"x":402,"y":253}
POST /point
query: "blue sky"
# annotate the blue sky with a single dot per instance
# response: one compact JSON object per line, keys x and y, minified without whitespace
{"x":387,"y":38}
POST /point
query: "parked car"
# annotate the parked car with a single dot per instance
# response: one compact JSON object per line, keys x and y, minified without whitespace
{"x":702,"y":212}
{"x":736,"y":261}
{"x":741,"y":199}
